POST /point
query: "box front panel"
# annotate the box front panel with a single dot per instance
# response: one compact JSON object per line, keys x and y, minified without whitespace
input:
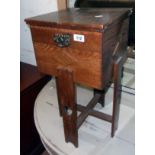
{"x":82,"y":55}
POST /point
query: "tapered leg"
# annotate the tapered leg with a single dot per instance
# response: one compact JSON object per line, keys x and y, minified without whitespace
{"x":67,"y":99}
{"x":117,"y":70}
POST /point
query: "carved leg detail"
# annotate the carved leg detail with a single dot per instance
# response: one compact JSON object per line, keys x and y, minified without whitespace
{"x":67,"y":97}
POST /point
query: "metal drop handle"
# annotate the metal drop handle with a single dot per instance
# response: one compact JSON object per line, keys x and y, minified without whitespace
{"x":62,"y":40}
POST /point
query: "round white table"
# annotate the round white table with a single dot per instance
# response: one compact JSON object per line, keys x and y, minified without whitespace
{"x":94,"y":134}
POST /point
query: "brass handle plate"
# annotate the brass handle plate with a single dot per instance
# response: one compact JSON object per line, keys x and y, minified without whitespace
{"x":62,"y":40}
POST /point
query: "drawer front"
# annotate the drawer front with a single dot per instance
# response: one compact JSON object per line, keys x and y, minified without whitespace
{"x":83,"y":56}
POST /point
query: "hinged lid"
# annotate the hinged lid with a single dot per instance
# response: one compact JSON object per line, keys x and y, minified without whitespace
{"x":84,"y":19}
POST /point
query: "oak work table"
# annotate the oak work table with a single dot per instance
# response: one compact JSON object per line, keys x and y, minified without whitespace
{"x":86,"y":46}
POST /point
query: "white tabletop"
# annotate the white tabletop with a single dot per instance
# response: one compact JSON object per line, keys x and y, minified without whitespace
{"x":94,"y":134}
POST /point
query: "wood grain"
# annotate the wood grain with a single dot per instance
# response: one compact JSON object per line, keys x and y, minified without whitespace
{"x":118,"y":63}
{"x":110,"y":40}
{"x":83,"y":59}
{"x":90,"y":61}
{"x":67,"y":95}
{"x":83,"y":19}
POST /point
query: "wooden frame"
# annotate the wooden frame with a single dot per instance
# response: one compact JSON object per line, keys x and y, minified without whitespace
{"x":68,"y":106}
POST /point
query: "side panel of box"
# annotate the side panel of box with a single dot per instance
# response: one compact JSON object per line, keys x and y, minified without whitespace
{"x":115,"y":32}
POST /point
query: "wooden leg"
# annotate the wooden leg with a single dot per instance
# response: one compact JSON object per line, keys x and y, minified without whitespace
{"x":122,"y":72}
{"x":67,"y":99}
{"x":58,"y":96}
{"x":102,"y":93}
{"x":102,"y":96}
{"x":117,"y":94}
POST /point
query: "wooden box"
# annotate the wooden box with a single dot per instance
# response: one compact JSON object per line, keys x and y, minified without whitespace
{"x":83,"y":40}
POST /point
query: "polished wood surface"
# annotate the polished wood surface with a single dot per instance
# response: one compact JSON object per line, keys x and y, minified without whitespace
{"x":83,"y":59}
{"x":81,"y":19}
{"x":90,"y":60}
{"x":117,"y":69}
{"x":116,"y":34}
{"x":68,"y":102}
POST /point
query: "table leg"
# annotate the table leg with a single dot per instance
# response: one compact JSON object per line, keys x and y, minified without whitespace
{"x":58,"y":96}
{"x":117,"y":70}
{"x":102,"y":98}
{"x":67,"y":98}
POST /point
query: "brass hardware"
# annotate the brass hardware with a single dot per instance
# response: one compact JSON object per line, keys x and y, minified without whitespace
{"x":62,"y":40}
